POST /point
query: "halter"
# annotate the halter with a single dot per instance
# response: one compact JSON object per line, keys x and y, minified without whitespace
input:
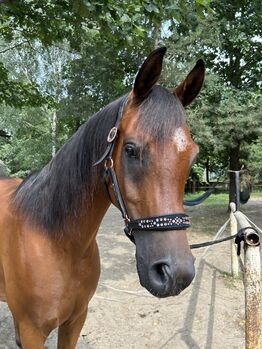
{"x":176,"y":221}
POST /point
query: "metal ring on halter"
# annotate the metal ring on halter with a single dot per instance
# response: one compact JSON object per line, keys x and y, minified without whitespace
{"x":111,"y":163}
{"x":127,"y":219}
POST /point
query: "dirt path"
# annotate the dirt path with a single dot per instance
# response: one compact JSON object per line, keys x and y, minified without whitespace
{"x":207,"y":315}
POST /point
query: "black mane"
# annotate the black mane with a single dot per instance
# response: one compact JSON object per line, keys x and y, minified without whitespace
{"x":54,"y":195}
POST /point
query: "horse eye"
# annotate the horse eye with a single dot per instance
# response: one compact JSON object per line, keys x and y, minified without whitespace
{"x":131,"y":150}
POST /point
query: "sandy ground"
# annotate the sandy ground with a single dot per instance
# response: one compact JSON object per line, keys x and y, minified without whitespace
{"x":209,"y":314}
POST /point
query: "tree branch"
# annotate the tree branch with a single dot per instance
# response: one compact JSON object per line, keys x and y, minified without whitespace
{"x":11,"y":48}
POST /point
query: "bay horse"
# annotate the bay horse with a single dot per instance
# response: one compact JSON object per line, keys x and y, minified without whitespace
{"x":135,"y":153}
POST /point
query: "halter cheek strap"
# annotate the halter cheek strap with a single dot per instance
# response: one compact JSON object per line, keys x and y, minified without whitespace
{"x":107,"y":156}
{"x":176,"y":221}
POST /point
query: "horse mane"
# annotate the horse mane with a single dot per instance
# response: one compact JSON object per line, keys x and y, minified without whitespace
{"x":51,"y":198}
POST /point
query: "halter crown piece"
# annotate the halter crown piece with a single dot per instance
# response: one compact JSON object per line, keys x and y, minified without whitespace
{"x":176,"y":221}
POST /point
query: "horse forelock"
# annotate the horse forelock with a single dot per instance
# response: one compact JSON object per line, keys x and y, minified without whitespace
{"x":160,"y":114}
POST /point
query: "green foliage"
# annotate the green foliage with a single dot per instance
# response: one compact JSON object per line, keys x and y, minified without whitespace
{"x":237,"y":52}
{"x":4,"y":171}
{"x":30,"y":145}
{"x":19,"y":93}
{"x":226,"y":118}
{"x":102,"y":73}
{"x":255,"y":159}
{"x":228,"y":37}
{"x":74,"y":56}
{"x":47,"y":20}
{"x":24,"y":22}
{"x":198,"y":171}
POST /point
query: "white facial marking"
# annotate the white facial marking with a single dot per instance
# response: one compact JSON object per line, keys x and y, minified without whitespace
{"x":180,"y":139}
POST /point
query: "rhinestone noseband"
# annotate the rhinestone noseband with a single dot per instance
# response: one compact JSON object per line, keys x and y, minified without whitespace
{"x":176,"y":221}
{"x":165,"y":222}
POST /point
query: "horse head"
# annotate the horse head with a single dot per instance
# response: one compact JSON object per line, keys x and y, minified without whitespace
{"x":152,"y":157}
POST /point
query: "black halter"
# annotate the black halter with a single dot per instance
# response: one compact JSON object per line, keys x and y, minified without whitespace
{"x":176,"y":221}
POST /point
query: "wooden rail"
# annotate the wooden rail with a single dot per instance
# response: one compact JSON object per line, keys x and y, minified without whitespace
{"x":251,"y":268}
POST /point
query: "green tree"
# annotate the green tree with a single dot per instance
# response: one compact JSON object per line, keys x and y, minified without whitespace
{"x":228,"y":113}
{"x":29,"y":147}
{"x":45,"y":67}
{"x":23,"y":22}
{"x":105,"y":41}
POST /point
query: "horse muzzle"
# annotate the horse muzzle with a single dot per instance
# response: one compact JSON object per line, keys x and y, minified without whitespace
{"x":163,"y":269}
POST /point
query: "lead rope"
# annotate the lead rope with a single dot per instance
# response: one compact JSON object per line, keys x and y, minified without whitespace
{"x":239,"y":237}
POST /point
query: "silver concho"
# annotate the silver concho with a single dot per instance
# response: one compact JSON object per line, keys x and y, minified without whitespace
{"x":112,"y":135}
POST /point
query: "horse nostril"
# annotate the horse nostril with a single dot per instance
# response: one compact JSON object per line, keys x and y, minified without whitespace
{"x":163,"y":272}
{"x":160,"y":274}
{"x":166,"y":279}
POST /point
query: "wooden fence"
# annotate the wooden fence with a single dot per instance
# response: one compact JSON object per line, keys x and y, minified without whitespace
{"x":250,"y":267}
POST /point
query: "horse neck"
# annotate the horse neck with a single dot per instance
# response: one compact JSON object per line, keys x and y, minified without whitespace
{"x":89,"y":221}
{"x":95,"y":213}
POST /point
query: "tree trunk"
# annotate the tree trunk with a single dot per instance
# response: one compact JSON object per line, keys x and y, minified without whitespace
{"x":156,"y":35}
{"x":234,"y":165}
{"x":207,"y":170}
{"x":53,"y":128}
{"x":194,"y":180}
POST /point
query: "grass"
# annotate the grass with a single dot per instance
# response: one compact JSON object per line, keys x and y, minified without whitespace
{"x":219,"y":199}
{"x":256,"y":194}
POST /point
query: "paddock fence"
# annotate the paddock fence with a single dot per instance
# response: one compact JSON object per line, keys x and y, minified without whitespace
{"x":250,"y":268}
{"x":246,"y":263}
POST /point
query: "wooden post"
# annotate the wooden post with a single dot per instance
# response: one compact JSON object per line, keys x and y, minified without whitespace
{"x":233,"y":231}
{"x":237,"y":186}
{"x":252,"y":284}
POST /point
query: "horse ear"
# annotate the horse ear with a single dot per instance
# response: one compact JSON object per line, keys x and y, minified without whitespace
{"x":190,"y":87}
{"x":149,"y":73}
